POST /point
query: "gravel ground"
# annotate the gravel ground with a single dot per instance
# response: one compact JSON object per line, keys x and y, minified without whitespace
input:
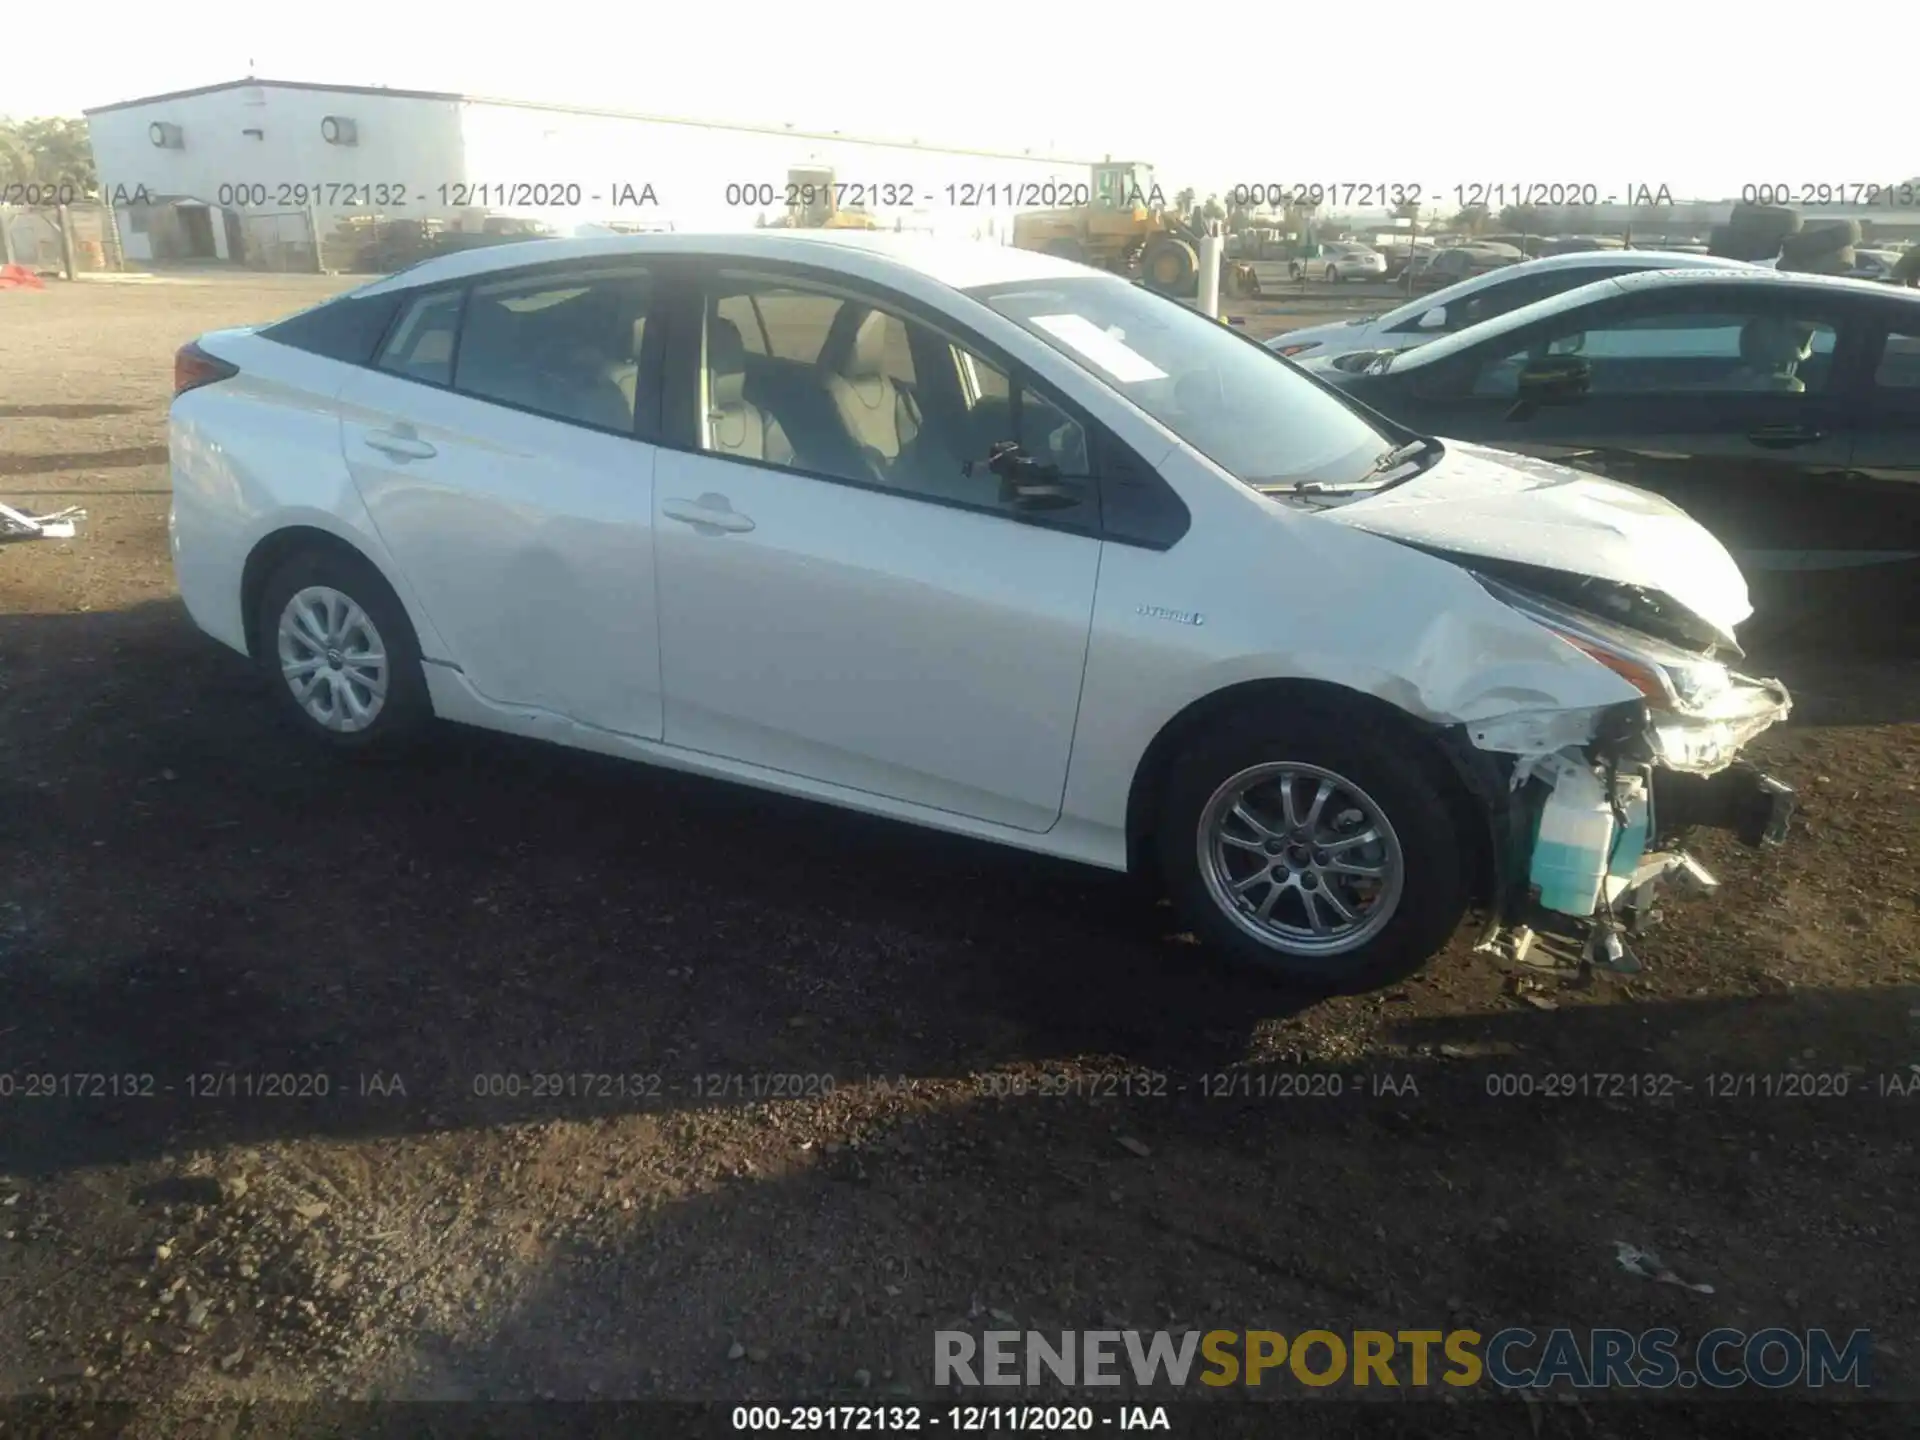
{"x":819,"y":1085}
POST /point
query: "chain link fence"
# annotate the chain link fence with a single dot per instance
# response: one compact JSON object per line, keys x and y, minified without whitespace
{"x":278,"y":240}
{"x":89,"y":238}
{"x":77,"y":239}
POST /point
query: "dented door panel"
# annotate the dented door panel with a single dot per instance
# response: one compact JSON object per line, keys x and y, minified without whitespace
{"x":527,"y":541}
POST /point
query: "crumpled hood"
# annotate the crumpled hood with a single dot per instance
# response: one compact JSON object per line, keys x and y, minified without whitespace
{"x":1503,"y":506}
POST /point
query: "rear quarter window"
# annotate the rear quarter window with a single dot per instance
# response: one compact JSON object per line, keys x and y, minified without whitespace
{"x":348,"y":328}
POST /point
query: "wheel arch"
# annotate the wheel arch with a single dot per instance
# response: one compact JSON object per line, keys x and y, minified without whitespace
{"x":1285,"y":696}
{"x":275,"y":548}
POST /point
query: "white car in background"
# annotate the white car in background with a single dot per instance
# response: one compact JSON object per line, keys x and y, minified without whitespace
{"x":1481,"y":298}
{"x":1874,"y":264}
{"x":973,"y":538}
{"x":1342,"y":260}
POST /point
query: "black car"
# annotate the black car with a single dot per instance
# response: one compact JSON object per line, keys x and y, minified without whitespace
{"x":1782,"y":411}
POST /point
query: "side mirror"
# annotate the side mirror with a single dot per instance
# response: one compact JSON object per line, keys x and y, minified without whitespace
{"x":1554,"y":380}
{"x":1434,"y":319}
{"x":1027,"y":484}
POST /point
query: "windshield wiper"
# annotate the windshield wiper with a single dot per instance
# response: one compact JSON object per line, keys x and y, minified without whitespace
{"x":1396,"y":457}
{"x":1390,"y":461}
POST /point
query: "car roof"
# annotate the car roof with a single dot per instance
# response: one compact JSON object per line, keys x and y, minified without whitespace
{"x":1667,"y":279}
{"x":1650,"y":259}
{"x":960,"y":264}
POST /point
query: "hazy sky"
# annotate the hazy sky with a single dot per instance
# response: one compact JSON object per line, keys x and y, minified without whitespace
{"x":1700,"y":95}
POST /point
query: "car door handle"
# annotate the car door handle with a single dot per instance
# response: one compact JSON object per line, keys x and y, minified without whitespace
{"x":1783,"y":437}
{"x":401,"y":447}
{"x":713,"y":514}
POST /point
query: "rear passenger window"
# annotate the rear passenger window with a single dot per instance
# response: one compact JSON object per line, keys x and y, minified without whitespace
{"x":421,"y":347}
{"x":1899,"y":367}
{"x":796,"y":322}
{"x":738,"y":311}
{"x":567,"y":348}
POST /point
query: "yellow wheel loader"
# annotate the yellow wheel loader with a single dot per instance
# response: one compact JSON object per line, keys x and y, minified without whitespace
{"x":1128,"y":226}
{"x":813,"y":203}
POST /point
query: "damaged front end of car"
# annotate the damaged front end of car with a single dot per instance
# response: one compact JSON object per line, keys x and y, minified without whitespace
{"x":1591,"y":808}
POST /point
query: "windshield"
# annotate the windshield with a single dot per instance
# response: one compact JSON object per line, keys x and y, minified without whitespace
{"x":1233,"y":400}
{"x":1448,"y":345}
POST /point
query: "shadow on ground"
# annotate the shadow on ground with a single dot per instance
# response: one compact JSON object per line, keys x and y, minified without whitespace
{"x":204,"y":896}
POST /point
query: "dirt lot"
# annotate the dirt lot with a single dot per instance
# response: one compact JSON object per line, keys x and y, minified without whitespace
{"x":189,"y":893}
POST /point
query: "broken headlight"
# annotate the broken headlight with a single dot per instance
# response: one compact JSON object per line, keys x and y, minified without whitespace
{"x":1702,"y":713}
{"x":1671,"y":678}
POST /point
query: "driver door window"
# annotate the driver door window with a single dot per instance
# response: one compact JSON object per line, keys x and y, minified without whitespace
{"x":1696,"y":349}
{"x":1001,"y":413}
{"x":839,"y":388}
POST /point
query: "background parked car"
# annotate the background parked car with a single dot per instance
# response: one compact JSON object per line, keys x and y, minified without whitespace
{"x":1341,"y":260}
{"x":1456,"y":263}
{"x":1874,"y":265}
{"x":1401,"y":254}
{"x":1491,"y":293}
{"x":1780,"y":410}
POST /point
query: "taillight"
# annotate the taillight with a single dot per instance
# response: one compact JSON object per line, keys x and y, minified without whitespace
{"x":194,"y":367}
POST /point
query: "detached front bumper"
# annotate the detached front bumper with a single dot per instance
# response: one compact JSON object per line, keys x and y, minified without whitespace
{"x":1661,"y":776}
{"x":1754,"y":806}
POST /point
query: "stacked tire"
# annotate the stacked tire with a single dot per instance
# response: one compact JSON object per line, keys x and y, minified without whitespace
{"x":1754,"y":232}
{"x":1824,"y":248}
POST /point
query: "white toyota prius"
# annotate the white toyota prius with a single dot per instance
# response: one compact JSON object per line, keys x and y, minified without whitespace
{"x":985,"y":541}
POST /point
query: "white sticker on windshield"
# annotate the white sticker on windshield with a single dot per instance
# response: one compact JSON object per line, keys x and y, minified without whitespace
{"x":1125,"y":365}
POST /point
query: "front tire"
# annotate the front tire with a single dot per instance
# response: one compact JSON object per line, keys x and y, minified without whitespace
{"x":338,"y":650}
{"x":1170,"y":264}
{"x":1313,"y":849}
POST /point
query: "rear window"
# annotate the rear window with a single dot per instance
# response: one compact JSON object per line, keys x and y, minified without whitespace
{"x":422,"y":344}
{"x":347,"y":327}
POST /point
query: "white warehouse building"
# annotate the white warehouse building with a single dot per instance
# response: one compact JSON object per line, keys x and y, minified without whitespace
{"x":213,"y":172}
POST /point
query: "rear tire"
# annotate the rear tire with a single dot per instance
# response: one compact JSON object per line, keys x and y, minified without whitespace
{"x":1223,"y":824}
{"x":340,"y":654}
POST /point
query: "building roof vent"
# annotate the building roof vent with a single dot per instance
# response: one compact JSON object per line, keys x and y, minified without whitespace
{"x":166,"y":136}
{"x":339,"y":130}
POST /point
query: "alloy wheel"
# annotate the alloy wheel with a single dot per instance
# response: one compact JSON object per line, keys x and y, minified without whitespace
{"x":333,"y":659}
{"x":1300,"y":858}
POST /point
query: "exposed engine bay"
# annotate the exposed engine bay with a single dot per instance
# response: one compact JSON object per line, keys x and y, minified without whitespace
{"x":1597,"y":804}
